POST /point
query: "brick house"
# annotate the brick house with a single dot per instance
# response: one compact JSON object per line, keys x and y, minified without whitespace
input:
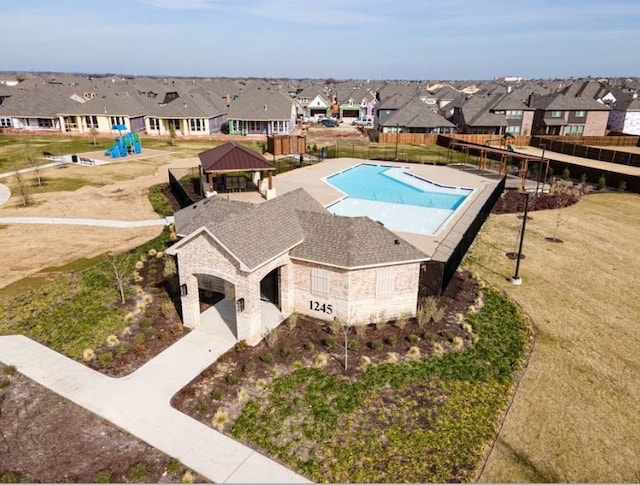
{"x":564,"y":115}
{"x":291,"y":252}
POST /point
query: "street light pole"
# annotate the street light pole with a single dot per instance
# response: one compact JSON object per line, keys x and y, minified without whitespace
{"x":515,"y":279}
{"x":540,"y":170}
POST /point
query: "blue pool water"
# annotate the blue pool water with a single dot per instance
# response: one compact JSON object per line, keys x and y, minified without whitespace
{"x":395,"y":197}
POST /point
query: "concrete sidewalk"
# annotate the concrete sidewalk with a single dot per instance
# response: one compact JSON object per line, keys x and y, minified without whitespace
{"x":87,"y":222}
{"x":140,"y":402}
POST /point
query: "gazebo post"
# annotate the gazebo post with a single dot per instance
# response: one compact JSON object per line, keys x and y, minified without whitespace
{"x":270,"y":180}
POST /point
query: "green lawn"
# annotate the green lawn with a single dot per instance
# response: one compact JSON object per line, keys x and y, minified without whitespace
{"x":427,"y":421}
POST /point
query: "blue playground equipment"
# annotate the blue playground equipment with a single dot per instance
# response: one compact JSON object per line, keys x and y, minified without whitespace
{"x":126,"y":144}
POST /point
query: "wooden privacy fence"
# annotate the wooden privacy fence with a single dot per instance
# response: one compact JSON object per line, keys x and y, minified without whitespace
{"x":179,"y":191}
{"x":579,"y":148}
{"x":286,"y":145}
{"x":432,"y":139}
{"x":611,"y":140}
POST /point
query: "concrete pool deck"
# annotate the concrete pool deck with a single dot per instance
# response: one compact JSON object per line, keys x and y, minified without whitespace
{"x":438,"y":246}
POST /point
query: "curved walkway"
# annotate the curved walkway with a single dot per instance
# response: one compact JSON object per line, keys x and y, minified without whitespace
{"x":5,"y":194}
{"x":140,"y":402}
{"x":86,"y":222}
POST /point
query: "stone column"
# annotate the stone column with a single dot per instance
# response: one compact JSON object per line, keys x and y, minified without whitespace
{"x":190,"y":301}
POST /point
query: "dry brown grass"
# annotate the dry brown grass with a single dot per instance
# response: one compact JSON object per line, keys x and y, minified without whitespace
{"x":575,"y":415}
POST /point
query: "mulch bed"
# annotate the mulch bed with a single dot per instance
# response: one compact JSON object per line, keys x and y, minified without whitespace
{"x":513,"y":201}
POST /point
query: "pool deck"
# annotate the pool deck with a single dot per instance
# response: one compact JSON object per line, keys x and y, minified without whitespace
{"x":438,"y":246}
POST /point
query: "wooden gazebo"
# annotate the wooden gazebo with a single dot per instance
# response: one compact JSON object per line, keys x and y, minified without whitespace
{"x":231,"y":158}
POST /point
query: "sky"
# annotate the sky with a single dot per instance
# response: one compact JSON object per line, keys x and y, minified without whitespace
{"x":340,"y":39}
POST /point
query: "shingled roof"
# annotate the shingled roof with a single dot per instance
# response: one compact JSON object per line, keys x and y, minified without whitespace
{"x":351,"y":242}
{"x":231,"y":157}
{"x":257,"y":233}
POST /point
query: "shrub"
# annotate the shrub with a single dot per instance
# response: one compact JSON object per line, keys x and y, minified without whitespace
{"x":391,"y":340}
{"x":335,"y":326}
{"x":448,"y":334}
{"x":467,"y":328}
{"x":261,"y":384}
{"x":187,"y":477}
{"x":10,"y":370}
{"x":286,"y":352}
{"x":353,"y":345}
{"x":88,"y":355}
{"x":292,"y":321}
{"x":169,"y":268}
{"x":329,"y":341}
{"x":126,"y":331}
{"x":220,"y":418}
{"x":152,"y":252}
{"x":4,"y":383}
{"x":174,"y":466}
{"x":271,"y":338}
{"x":602,"y":183}
{"x":102,"y":476}
{"x":216,"y":394}
{"x":583,"y":178}
{"x":413,"y":353}
{"x":232,"y":379}
{"x":429,"y":311}
{"x":392,"y":357}
{"x":458,"y":343}
{"x":308,"y":346}
{"x":413,"y":338}
{"x":622,"y":186}
{"x":202,"y":406}
{"x":241,"y":345}
{"x":112,"y":340}
{"x":147,"y":298}
{"x":321,"y":360}
{"x":249,"y":367}
{"x":375,"y":344}
{"x":106,"y":358}
{"x":565,"y":174}
{"x":138,"y":472}
{"x":139,"y":265}
{"x":402,"y":321}
{"x":242,"y":395}
{"x":128,"y":317}
{"x":267,"y":358}
{"x":438,"y":349}
{"x":365,"y":361}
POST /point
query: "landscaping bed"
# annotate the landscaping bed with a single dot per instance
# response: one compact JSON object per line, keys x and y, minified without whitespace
{"x":415,"y":401}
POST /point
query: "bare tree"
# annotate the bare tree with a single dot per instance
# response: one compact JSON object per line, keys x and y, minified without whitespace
{"x":23,"y":188}
{"x":563,"y":196}
{"x":118,"y":271}
{"x":94,"y":133}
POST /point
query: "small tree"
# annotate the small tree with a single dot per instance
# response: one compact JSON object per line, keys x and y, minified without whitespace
{"x":565,"y":174}
{"x":172,"y":134}
{"x":622,"y":186}
{"x":23,"y":189}
{"x":563,"y":197}
{"x":94,"y":133}
{"x":118,"y":271}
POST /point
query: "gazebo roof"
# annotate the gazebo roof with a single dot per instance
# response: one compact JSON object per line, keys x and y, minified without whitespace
{"x":231,"y":157}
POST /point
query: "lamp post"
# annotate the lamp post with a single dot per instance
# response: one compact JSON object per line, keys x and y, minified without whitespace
{"x":540,"y":170}
{"x":515,"y":279}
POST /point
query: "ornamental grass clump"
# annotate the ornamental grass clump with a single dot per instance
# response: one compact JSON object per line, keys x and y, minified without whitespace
{"x":112,"y":340}
{"x":413,"y":353}
{"x":88,"y":355}
{"x":321,"y":360}
{"x":458,"y":343}
{"x":220,"y":419}
{"x":437,"y":348}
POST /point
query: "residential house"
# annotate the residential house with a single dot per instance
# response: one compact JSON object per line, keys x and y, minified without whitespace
{"x":493,"y":113}
{"x":416,"y":116}
{"x":625,"y":115}
{"x":357,"y":103}
{"x":262,"y":110}
{"x":561,"y":114}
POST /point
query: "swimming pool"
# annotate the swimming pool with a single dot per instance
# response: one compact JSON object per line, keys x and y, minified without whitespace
{"x":395,"y":197}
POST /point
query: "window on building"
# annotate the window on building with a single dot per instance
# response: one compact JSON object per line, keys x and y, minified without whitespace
{"x":70,"y":122}
{"x":91,"y":121}
{"x":45,"y":123}
{"x":154,"y":124}
{"x":196,"y":124}
{"x":5,"y":122}
{"x":116,"y":120}
{"x":574,"y":130}
{"x":514,"y":130}
{"x":320,"y":282}
{"x":514,"y":114}
{"x":384,"y":282}
{"x":175,"y":124}
{"x":556,"y":114}
{"x":581,"y":113}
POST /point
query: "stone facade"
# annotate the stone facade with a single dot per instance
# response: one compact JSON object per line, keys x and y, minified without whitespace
{"x":358,"y":296}
{"x":596,"y":124}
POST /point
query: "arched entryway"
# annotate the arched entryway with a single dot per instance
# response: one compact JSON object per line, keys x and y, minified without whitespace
{"x":216,"y":298}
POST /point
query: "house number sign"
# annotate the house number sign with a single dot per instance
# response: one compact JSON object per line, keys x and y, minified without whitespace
{"x":316,"y":306}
